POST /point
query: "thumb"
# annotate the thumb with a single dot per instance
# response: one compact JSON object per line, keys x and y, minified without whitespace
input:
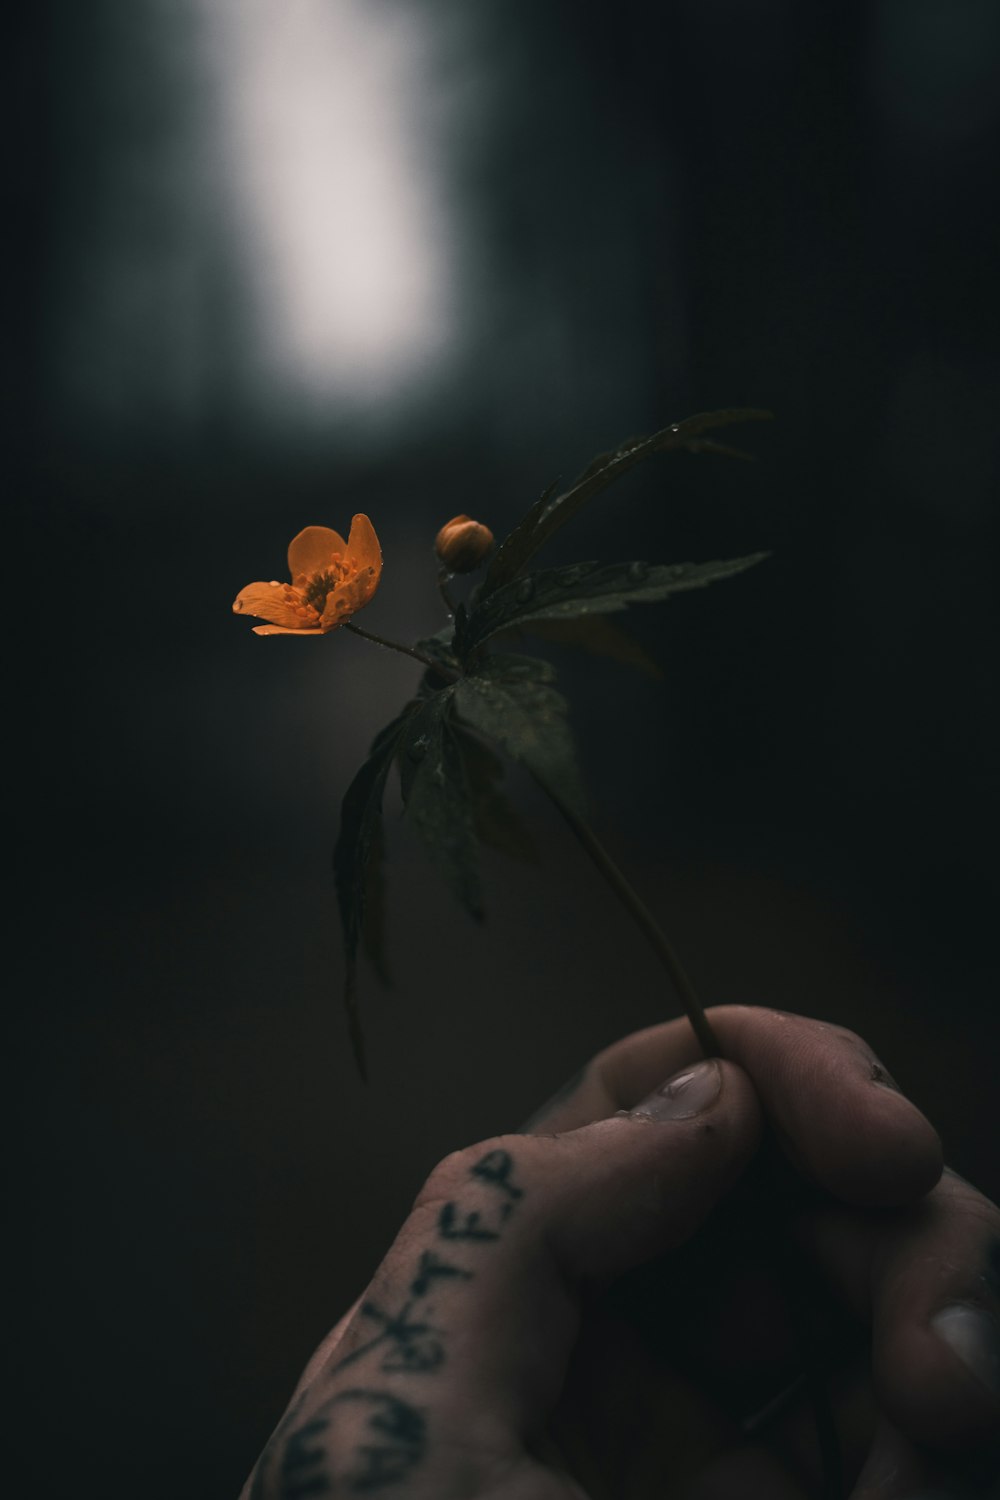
{"x":474,"y":1313}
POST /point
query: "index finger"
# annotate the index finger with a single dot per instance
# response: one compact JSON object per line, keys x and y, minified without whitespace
{"x":835,"y":1109}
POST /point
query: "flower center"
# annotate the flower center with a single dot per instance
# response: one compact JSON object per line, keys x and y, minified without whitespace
{"x":321,"y":584}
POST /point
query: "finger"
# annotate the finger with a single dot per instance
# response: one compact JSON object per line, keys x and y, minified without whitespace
{"x":928,"y":1279}
{"x":538,"y":1220}
{"x":461,"y":1345}
{"x":896,"y":1470}
{"x":833,"y":1106}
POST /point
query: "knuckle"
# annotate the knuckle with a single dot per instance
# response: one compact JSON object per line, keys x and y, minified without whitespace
{"x":852,"y":1039}
{"x":967,"y":1198}
{"x":442,"y":1179}
{"x":980,"y":1211}
{"x":854,"y":1044}
{"x":452,"y":1172}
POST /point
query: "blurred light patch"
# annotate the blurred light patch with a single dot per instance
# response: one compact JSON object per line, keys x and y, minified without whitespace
{"x":329,"y":164}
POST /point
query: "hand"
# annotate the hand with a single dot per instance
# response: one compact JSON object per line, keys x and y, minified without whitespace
{"x":646,"y":1303}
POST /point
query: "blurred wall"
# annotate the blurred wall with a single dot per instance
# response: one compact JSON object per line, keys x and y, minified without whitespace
{"x":275,"y":264}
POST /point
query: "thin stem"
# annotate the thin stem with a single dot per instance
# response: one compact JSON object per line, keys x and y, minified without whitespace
{"x":444,"y":578}
{"x":646,"y":922}
{"x":813,"y":1381}
{"x":380,"y":640}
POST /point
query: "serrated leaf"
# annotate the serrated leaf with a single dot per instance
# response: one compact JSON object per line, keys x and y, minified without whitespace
{"x":510,"y":699}
{"x":496,"y":822}
{"x":597,"y":634}
{"x":546,"y":516}
{"x":440,"y":648}
{"x":436,"y":797}
{"x":504,"y":563}
{"x":593,"y":589}
{"x":601,"y":460}
{"x":461,"y":638}
{"x":357,"y":870}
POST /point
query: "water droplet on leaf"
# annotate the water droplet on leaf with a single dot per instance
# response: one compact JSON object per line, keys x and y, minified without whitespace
{"x":525,"y":590}
{"x":638,"y":572}
{"x":417,"y":748}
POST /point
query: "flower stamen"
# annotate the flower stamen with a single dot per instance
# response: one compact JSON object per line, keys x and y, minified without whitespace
{"x":321,"y":584}
{"x":330,"y":582}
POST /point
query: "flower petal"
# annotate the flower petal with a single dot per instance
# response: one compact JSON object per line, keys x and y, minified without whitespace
{"x":312,"y":549}
{"x":277,"y":602}
{"x":347,"y":598}
{"x":363,"y":548}
{"x":286,"y":630}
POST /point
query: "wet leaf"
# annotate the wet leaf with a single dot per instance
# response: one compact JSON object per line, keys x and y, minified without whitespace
{"x":357,"y":868}
{"x":461,"y":637}
{"x":593,"y":589}
{"x":510,"y":699}
{"x":596,"y":634}
{"x":496,"y":822}
{"x":436,"y":797}
{"x":440,"y":648}
{"x":549,"y":513}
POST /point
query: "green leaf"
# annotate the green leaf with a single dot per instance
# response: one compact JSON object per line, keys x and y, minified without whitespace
{"x":510,"y":699}
{"x":461,"y":639}
{"x":547,"y":515}
{"x":440,"y":648}
{"x":436,"y":797}
{"x":496,"y":822}
{"x":593,"y":589}
{"x":596,"y":634}
{"x":357,"y":868}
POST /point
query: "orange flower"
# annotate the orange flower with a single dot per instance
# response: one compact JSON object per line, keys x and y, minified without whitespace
{"x":462,"y":544}
{"x":331,"y":580}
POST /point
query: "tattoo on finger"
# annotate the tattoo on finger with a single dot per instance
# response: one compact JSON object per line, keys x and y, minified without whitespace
{"x":302,"y":1455}
{"x":393,"y":1441}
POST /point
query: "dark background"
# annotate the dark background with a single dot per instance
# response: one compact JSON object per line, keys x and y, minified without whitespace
{"x":276,"y":264}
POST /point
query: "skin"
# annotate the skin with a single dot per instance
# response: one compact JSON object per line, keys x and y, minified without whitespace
{"x":615,"y":1305}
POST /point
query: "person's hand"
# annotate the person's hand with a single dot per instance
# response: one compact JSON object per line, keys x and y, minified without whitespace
{"x":648,"y":1292}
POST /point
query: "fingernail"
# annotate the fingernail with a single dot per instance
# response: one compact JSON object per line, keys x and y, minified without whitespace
{"x":686,"y":1094}
{"x":882,"y":1466}
{"x":972,"y":1334}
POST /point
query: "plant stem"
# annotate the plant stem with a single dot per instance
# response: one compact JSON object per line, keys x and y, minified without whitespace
{"x":444,"y":578}
{"x":380,"y":640}
{"x":646,"y":922}
{"x":813,"y":1379}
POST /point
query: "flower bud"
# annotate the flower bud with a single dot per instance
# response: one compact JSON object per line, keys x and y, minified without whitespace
{"x":462,"y":544}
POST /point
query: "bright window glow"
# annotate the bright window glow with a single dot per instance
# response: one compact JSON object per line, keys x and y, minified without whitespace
{"x":327,"y":153}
